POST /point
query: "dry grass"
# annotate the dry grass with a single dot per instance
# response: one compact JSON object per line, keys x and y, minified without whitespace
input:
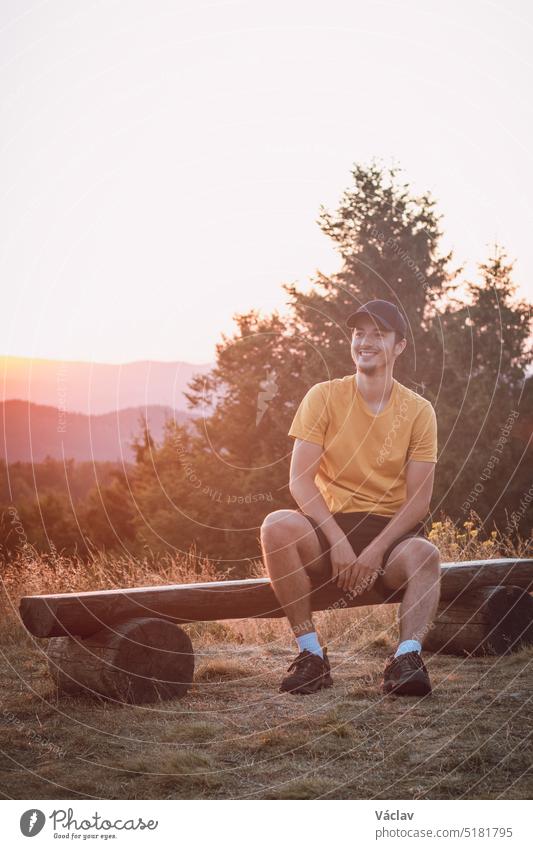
{"x":234,"y":736}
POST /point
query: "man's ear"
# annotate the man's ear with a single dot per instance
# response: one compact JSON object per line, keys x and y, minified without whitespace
{"x":403,"y":343}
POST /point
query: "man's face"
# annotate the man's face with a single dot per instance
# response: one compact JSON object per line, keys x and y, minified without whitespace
{"x":373,"y":346}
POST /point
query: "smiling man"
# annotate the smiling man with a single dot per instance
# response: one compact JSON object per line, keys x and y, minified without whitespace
{"x":362,"y":473}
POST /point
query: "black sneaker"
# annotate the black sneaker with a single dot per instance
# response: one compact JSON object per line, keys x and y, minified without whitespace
{"x":406,"y":675}
{"x":307,"y":674}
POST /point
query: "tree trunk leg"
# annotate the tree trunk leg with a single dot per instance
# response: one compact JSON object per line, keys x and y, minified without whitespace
{"x":488,"y":620}
{"x":140,"y":660}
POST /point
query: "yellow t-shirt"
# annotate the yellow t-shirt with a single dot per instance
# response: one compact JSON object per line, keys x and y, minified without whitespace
{"x":363,"y":465}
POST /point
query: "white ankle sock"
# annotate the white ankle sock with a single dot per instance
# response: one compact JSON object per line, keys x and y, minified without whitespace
{"x":408,"y":645}
{"x":310,"y":642}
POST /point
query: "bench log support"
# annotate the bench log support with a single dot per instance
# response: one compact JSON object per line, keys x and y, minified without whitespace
{"x":142,"y":660}
{"x":490,"y":620}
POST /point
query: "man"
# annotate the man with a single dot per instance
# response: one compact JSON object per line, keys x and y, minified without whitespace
{"x":362,"y":472}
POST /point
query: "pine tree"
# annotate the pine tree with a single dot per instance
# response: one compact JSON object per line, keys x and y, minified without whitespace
{"x":487,"y":351}
{"x":143,"y":446}
{"x":388,"y":240}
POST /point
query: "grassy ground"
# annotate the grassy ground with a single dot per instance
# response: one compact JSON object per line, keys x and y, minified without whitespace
{"x":234,"y":736}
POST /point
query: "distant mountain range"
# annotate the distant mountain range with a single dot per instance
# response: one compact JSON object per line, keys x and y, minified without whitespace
{"x":29,"y":432}
{"x":95,"y":388}
{"x":92,"y":411}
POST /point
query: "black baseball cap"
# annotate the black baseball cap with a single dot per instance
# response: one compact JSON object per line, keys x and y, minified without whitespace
{"x":384,"y":312}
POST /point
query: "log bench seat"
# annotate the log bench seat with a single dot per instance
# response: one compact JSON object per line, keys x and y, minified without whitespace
{"x":128,"y":644}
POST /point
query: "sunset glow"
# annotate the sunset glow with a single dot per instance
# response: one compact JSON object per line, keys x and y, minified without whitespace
{"x":165,"y":169}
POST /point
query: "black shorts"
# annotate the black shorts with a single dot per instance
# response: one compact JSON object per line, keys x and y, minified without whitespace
{"x":360,"y":529}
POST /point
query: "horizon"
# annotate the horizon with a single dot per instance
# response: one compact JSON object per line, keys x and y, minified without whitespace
{"x":528,"y":368}
{"x":102,"y":362}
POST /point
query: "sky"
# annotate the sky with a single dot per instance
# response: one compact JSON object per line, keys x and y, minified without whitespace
{"x":163,"y":163}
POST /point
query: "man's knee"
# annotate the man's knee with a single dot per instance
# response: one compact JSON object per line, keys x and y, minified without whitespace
{"x":416,"y":557}
{"x":424,"y":560}
{"x":282,"y":527}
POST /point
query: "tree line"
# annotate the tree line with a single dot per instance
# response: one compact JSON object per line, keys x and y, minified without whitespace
{"x":210,"y":483}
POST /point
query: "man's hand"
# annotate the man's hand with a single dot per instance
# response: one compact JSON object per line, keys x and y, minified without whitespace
{"x":369,"y":564}
{"x":343,"y":561}
{"x":352,"y":573}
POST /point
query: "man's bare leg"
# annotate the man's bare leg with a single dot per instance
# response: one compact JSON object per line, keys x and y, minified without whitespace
{"x":289,"y":543}
{"x":415,"y":563}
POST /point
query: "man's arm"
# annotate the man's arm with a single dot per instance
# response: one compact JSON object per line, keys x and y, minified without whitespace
{"x":420,"y":476}
{"x":305,"y":462}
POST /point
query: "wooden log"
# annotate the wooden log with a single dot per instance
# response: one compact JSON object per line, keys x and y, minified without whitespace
{"x":83,"y":614}
{"x":491,"y":620}
{"x":139,"y":661}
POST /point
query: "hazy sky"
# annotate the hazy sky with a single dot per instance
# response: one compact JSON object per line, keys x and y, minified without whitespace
{"x":163,"y":163}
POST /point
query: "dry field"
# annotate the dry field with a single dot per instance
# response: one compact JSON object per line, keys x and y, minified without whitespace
{"x":234,"y":736}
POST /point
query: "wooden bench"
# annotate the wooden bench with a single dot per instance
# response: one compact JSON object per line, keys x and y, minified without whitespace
{"x":126,"y":644}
